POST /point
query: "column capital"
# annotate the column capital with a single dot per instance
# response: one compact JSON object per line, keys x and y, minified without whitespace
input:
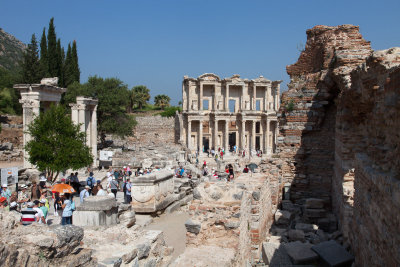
{"x":30,"y":103}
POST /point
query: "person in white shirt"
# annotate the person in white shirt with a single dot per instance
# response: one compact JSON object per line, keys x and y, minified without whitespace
{"x":101,"y":191}
{"x":39,"y":216}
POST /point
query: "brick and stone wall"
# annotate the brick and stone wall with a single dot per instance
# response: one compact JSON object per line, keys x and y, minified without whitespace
{"x":155,"y":129}
{"x":339,"y":137}
{"x":11,"y":141}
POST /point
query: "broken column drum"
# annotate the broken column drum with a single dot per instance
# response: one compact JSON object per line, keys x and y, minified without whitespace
{"x":153,"y":192}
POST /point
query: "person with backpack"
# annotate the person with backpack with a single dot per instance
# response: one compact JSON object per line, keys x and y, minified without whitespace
{"x":114,"y":186}
{"x":90,"y":181}
{"x":84,"y":193}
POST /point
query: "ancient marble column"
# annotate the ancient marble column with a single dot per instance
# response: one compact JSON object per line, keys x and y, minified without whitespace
{"x":227,"y":98}
{"x":93,"y":134}
{"x":189,"y":131}
{"x":201,"y":97}
{"x":253,"y":135}
{"x":30,"y":109}
{"x":268,"y":151}
{"x":200,"y":141}
{"x":226,"y":139}
{"x":254,"y":97}
{"x":215,"y":135}
{"x":243,"y":134}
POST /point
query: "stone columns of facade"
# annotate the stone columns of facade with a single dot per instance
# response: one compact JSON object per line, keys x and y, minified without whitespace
{"x":254,"y":97}
{"x":226,"y":139}
{"x":200,"y":141}
{"x":93,"y":134}
{"x":30,"y":109}
{"x":227,"y":98}
{"x":267,"y":146}
{"x":201,"y":97}
{"x":253,"y":135}
{"x":189,"y":133}
{"x":243,"y":103}
{"x":84,"y":113}
{"x":243,"y":134}
{"x":215,"y":138}
{"x":189,"y":102}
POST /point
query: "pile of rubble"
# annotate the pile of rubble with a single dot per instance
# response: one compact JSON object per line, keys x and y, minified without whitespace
{"x":40,"y":245}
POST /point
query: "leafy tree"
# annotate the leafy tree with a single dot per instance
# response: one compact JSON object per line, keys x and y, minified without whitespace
{"x":162,"y":101}
{"x":170,"y":111}
{"x":113,"y":97}
{"x":139,"y":96}
{"x":57,"y":143}
{"x":31,"y":72}
{"x":8,"y":95}
{"x":52,"y":49}
{"x":44,"y":63}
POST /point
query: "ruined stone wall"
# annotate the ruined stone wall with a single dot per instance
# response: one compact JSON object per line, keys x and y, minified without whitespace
{"x":11,"y":141}
{"x":339,"y":137}
{"x":155,"y":129}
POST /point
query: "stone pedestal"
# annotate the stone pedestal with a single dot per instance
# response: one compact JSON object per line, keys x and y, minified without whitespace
{"x":97,"y":210}
{"x":153,"y":192}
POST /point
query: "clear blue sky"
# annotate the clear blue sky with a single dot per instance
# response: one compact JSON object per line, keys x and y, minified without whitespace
{"x":156,"y":43}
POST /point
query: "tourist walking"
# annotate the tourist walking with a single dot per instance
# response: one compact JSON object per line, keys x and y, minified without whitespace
{"x":67,"y":210}
{"x":114,"y":187}
{"x":90,"y":181}
{"x":96,"y":188}
{"x":84,"y":193}
{"x":23,"y":196}
{"x":127,"y":191}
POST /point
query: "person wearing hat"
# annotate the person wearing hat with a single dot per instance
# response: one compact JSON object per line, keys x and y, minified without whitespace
{"x":28,"y":214}
{"x":23,"y":196}
{"x":90,"y":181}
{"x":43,"y":197}
{"x":84,"y":193}
{"x":42,"y":182}
{"x":6,"y":192}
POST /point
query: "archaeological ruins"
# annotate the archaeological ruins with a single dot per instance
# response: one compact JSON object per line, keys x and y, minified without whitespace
{"x":223,"y":113}
{"x":326,"y":190}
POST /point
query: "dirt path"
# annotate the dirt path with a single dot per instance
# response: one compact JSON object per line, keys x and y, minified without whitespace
{"x":173,"y":226}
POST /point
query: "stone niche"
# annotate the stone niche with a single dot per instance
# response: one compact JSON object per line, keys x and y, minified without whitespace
{"x":153,"y":192}
{"x":96,"y":210}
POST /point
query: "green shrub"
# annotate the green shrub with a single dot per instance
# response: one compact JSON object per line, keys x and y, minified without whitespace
{"x":170,"y":111}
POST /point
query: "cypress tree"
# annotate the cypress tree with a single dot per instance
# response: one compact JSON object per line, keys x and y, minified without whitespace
{"x":31,"y":71}
{"x":75,"y":64}
{"x":60,"y":67}
{"x":68,"y":68}
{"x":52,"y":49}
{"x":44,"y":64}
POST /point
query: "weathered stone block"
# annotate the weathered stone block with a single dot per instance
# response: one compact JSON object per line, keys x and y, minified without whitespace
{"x":274,"y":255}
{"x":314,"y":203}
{"x":306,"y":227}
{"x":282,"y":217}
{"x":300,"y":252}
{"x":333,"y":253}
{"x":193,"y":226}
{"x":296,"y":235}
{"x":314,"y":213}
